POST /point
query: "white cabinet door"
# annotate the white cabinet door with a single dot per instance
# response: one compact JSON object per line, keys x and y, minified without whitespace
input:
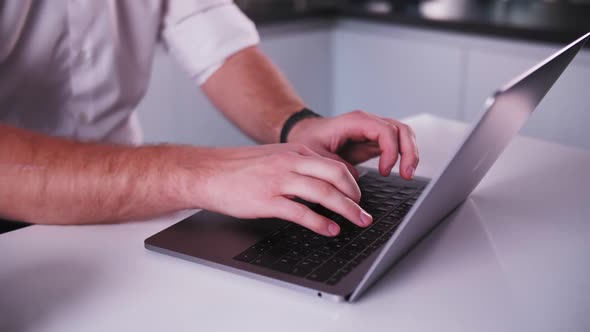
{"x":305,"y":57}
{"x":377,"y":71}
{"x":564,"y":114}
{"x":174,"y":109}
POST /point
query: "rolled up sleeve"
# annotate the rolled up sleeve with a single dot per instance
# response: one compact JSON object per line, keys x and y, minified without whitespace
{"x":202,"y":34}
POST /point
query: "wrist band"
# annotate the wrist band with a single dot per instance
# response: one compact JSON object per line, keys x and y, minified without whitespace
{"x":293,"y":119}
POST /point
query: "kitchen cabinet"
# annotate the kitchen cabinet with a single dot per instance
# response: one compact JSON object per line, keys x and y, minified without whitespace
{"x":381,"y":72}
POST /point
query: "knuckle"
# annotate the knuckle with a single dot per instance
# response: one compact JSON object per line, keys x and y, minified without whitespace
{"x":355,"y":211}
{"x":299,"y":212}
{"x":305,"y":150}
{"x":298,"y":147}
{"x":288,"y":155}
{"x":340,"y":169}
{"x":394,"y":129}
{"x":408,"y":129}
{"x":359,"y":114}
{"x":324,"y":189}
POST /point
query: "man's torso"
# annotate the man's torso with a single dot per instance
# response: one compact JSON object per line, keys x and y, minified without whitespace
{"x":76,"y":68}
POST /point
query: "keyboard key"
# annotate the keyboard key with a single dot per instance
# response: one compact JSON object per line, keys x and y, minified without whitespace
{"x":270,"y":256}
{"x":382,"y":208}
{"x":390,"y":219}
{"x":316,"y":239}
{"x":247,"y":256}
{"x":390,"y":190}
{"x":285,"y":264}
{"x":382,"y":226}
{"x":373,"y":247}
{"x":296,"y":254}
{"x":268,"y":242}
{"x":333,"y":246}
{"x":319,"y":256}
{"x":363,"y":255}
{"x":372,"y":233}
{"x":336,"y":278}
{"x":355,"y":262}
{"x":347,"y":254}
{"x":363,"y":241}
{"x":407,"y":191}
{"x":326,"y":270}
{"x":355,"y":247}
{"x":346,"y":268}
{"x":304,"y":268}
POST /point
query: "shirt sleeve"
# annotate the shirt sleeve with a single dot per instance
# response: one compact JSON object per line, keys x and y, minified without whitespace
{"x":201,"y":34}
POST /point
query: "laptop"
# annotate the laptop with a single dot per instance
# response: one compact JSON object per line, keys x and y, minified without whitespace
{"x":342,"y":268}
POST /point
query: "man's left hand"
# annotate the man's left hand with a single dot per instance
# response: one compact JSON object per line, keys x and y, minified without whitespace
{"x":358,"y":136}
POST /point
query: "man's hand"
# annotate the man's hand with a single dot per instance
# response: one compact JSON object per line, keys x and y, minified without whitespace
{"x":358,"y":136}
{"x":261,"y":181}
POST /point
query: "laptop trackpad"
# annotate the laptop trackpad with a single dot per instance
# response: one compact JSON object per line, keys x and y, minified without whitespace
{"x":214,"y":236}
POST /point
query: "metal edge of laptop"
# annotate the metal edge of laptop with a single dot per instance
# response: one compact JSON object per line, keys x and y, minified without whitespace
{"x":519,"y":97}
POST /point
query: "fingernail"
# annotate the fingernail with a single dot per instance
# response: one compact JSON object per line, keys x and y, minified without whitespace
{"x":333,"y":229}
{"x":410,"y":170}
{"x":366,"y":218}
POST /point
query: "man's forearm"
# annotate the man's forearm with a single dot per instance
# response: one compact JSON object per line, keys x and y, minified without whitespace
{"x":57,"y":181}
{"x":253,"y":94}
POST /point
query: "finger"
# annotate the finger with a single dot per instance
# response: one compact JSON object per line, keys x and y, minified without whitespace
{"x":323,"y":193}
{"x":357,"y":153}
{"x":351,"y":168}
{"x":408,"y":149}
{"x":289,"y":210}
{"x":331,"y":171}
{"x":359,"y":125}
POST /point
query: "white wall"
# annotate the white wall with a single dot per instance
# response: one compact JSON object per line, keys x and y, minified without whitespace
{"x":174,"y":109}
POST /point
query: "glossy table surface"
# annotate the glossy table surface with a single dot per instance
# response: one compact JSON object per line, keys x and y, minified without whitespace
{"x":514,"y":257}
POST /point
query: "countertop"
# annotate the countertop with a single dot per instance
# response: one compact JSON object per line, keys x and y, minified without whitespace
{"x":555,"y":22}
{"x":501,"y":262}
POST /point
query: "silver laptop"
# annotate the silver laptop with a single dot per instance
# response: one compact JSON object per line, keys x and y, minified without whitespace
{"x":343,"y":267}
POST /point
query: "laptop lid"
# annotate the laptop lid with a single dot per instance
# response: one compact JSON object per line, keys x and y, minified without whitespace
{"x":505,"y":113}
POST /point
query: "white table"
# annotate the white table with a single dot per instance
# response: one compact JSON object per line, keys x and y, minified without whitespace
{"x":514,"y":257}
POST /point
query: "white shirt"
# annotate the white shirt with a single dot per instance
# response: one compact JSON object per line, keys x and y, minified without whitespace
{"x":78,"y":68}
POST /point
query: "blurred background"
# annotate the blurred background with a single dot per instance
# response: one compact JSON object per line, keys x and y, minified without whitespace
{"x":396,"y":59}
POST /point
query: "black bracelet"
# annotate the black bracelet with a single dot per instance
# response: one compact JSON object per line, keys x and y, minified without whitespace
{"x":293,"y":119}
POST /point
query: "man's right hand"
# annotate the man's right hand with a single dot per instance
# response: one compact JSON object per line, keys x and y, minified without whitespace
{"x":70,"y":182}
{"x":261,"y":182}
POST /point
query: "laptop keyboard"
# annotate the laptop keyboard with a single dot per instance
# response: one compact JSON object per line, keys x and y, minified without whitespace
{"x":297,"y":251}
